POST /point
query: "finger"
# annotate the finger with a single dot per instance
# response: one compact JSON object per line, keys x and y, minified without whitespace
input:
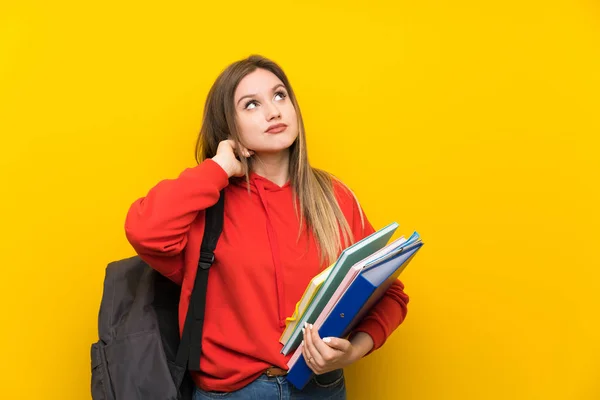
{"x":337,"y":343}
{"x":232,"y":143}
{"x":306,"y":356}
{"x":227,"y":146}
{"x":247,"y":153}
{"x":239,"y":148}
{"x":317,"y":360}
{"x":244,"y":151}
{"x":326,"y":353}
{"x":236,"y":147}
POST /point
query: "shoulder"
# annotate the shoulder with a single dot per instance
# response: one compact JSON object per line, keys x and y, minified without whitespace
{"x":351,"y":208}
{"x":346,"y":199}
{"x":344,"y":195}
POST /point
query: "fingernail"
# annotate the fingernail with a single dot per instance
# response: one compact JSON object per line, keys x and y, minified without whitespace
{"x":303,"y":331}
{"x":310,"y":326}
{"x":305,"y":324}
{"x":302,"y":343}
{"x":327,"y":339}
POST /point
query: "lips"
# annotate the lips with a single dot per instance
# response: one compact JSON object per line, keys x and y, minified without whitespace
{"x":276,"y":128}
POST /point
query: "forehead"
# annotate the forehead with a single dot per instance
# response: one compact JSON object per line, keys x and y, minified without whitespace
{"x":257,"y":82}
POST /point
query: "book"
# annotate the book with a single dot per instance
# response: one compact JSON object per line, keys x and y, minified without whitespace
{"x":291,"y":338}
{"x":365,"y":290}
{"x":314,"y":284}
{"x":351,"y":275}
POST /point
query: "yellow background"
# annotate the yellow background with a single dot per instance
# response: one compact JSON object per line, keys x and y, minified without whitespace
{"x":475,"y":123}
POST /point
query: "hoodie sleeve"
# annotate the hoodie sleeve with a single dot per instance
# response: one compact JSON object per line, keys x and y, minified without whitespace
{"x":157,"y":225}
{"x":391,"y":309}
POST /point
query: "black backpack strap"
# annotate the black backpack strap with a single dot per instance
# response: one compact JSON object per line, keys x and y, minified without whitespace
{"x":188,"y":353}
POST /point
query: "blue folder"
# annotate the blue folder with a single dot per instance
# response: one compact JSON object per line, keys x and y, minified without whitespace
{"x":366,"y":289}
{"x":350,"y":256}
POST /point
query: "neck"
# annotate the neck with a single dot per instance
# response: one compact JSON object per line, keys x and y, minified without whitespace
{"x":273,"y":166}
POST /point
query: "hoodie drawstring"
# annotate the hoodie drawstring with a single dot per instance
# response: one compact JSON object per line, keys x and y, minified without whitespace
{"x":274,"y":252}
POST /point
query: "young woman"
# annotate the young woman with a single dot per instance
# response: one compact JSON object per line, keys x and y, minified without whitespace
{"x":284,"y":221}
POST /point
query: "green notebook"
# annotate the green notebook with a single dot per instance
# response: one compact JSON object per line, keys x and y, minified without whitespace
{"x":350,"y":256}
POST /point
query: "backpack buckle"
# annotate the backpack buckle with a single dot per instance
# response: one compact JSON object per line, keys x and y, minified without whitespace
{"x":206,"y":259}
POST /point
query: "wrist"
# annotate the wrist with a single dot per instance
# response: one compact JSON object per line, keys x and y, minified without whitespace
{"x":362,"y":343}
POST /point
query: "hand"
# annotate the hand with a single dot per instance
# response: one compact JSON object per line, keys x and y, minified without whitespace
{"x":324,"y":355}
{"x":226,"y":157}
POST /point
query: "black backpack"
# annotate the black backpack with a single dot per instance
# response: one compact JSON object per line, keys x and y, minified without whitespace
{"x":139,"y":354}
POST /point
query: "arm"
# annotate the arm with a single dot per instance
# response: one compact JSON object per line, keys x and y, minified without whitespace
{"x":157,"y":225}
{"x":383,"y":318}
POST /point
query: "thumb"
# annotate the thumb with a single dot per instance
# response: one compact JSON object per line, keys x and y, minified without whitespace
{"x":337,"y":343}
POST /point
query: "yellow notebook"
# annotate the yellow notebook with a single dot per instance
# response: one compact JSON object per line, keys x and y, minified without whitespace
{"x":312,"y":288}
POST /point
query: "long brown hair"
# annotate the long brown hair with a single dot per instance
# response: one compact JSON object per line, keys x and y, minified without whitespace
{"x":318,"y":207}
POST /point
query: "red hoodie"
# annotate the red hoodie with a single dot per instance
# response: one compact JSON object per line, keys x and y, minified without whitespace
{"x":256,"y":278}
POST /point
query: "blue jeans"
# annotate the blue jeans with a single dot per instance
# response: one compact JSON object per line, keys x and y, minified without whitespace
{"x":327,"y":386}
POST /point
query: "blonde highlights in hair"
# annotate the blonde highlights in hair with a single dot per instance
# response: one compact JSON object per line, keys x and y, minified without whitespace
{"x":315,"y":200}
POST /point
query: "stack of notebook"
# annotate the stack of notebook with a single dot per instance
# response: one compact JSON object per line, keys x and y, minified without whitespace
{"x":339,"y":297}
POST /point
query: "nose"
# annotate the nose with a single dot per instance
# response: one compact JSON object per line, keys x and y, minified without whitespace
{"x":272,"y":112}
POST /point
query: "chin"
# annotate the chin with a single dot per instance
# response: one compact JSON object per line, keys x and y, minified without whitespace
{"x":275,"y":144}
{"x":271,"y":150}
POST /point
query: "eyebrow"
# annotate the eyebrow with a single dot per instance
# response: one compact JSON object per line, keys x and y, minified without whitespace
{"x":252,"y":95}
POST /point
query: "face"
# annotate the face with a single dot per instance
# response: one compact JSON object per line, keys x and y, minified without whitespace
{"x":262,"y":101}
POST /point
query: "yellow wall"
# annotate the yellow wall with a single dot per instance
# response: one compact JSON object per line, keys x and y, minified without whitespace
{"x":475,"y":123}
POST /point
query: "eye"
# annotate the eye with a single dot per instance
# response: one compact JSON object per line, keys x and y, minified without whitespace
{"x":282,"y":94}
{"x":248,"y":104}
